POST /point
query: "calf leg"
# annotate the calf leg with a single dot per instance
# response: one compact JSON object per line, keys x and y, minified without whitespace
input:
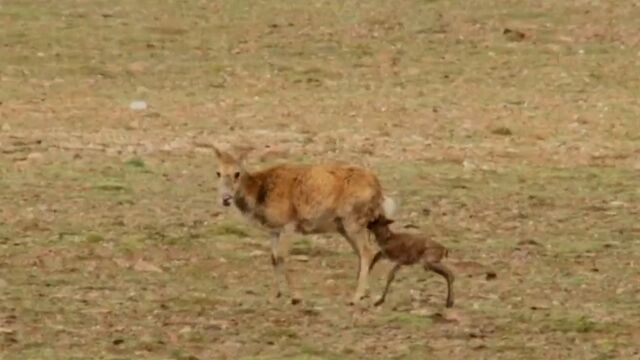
{"x":443,"y":271}
{"x":390,"y":277}
{"x":379,"y":255}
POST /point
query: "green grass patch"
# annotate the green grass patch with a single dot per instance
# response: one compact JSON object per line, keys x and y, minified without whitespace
{"x":403,"y":319}
{"x":229,"y":229}
{"x":111,"y":186}
{"x":136,"y":163}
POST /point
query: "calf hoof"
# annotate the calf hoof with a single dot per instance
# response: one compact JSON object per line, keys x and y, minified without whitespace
{"x":449,"y":303}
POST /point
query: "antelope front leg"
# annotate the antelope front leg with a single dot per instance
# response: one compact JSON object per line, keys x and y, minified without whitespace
{"x":366,"y":254}
{"x":280,"y":244}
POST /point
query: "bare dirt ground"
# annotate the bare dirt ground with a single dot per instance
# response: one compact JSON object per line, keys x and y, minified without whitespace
{"x":508,"y":130}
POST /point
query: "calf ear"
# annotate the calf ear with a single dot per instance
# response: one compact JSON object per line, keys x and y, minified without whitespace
{"x":388,"y":221}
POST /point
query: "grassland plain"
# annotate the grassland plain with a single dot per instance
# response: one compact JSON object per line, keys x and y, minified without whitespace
{"x":508,"y":130}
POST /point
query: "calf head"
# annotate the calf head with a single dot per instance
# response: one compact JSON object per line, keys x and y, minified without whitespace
{"x":380,"y":227}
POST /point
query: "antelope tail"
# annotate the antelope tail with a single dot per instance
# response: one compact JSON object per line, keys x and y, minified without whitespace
{"x":388,"y":206}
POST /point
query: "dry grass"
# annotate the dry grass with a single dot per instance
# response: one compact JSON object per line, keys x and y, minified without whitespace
{"x":518,"y":152}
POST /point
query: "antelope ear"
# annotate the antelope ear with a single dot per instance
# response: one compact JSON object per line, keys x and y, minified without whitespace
{"x":217,"y":151}
{"x":240,"y":152}
{"x":388,"y":221}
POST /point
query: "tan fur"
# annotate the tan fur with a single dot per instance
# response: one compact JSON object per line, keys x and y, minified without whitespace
{"x":306,"y":199}
{"x":408,"y":249}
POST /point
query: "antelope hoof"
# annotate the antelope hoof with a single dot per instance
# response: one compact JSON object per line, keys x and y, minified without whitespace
{"x":379,"y":302}
{"x":356,"y":300}
{"x":295,"y":301}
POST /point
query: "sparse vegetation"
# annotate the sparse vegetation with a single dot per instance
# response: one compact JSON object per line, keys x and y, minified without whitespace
{"x":233,"y":230}
{"x":101,"y":258}
{"x":136,"y":163}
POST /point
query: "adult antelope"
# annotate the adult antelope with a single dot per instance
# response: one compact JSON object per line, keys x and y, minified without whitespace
{"x":307,"y":199}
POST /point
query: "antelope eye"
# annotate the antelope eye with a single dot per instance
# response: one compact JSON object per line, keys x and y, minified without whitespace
{"x":218,"y":173}
{"x":236,"y":175}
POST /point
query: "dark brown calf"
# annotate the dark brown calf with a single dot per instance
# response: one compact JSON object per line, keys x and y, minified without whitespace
{"x":409,"y":249}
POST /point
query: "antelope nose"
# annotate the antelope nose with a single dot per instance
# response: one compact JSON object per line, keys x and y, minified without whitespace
{"x":226,"y":200}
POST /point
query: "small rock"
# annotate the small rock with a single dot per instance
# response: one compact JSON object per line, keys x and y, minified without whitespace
{"x":35,"y":156}
{"x":6,"y":127}
{"x":118,"y":342}
{"x":468,"y":165}
{"x":4,"y":330}
{"x":300,"y":258}
{"x":446,"y":316}
{"x":217,"y":325}
{"x":617,"y":204}
{"x":256,"y":253}
{"x":502,"y":130}
{"x":470,"y":268}
{"x":315,"y":311}
{"x":121,"y":262}
{"x":513,"y":35}
{"x":137,"y":67}
{"x":138,"y":105}
{"x":491,"y":275}
{"x":477,"y":344}
{"x":539,"y":306}
{"x":133,"y":125}
{"x":142,"y":265}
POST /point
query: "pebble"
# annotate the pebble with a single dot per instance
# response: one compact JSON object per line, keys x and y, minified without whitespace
{"x":138,"y":105}
{"x":35,"y":156}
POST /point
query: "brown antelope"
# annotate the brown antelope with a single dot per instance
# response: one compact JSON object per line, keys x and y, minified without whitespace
{"x":408,"y":249}
{"x":287,"y":199}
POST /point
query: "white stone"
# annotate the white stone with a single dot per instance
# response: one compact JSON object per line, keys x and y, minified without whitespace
{"x":138,"y":105}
